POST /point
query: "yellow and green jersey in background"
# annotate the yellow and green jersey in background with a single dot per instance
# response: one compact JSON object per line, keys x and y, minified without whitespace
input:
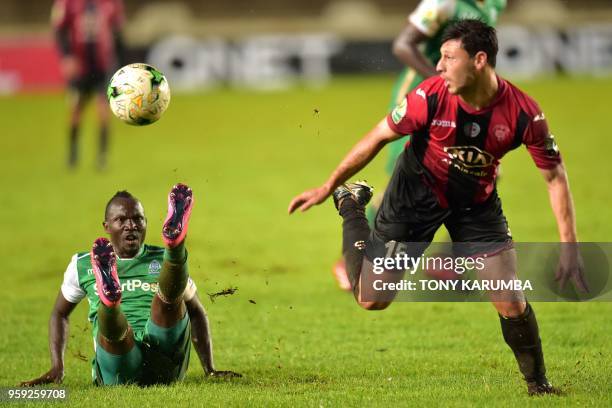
{"x":431,"y":17}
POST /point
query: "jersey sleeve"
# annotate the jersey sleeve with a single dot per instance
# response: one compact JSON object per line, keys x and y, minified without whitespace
{"x":71,"y":290}
{"x":500,"y":5}
{"x":190,"y":290}
{"x":430,"y":15}
{"x":541,"y":143}
{"x":411,"y":114}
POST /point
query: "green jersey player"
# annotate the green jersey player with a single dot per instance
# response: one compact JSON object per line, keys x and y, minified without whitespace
{"x":418,"y":47}
{"x":143,"y":306}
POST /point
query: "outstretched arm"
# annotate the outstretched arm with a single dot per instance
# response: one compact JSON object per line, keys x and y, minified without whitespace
{"x":571,"y":267}
{"x":406,"y":49}
{"x":561,"y":202}
{"x":201,"y":339}
{"x":58,"y":337}
{"x":359,"y":156}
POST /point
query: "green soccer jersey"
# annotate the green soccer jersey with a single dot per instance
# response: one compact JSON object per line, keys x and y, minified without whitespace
{"x":431,"y":17}
{"x":139,"y":284}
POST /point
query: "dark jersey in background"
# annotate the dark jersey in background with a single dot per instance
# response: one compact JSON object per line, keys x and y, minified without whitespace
{"x":87,"y":29}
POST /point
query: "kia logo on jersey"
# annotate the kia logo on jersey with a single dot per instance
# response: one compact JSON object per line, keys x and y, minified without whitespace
{"x":470,"y":156}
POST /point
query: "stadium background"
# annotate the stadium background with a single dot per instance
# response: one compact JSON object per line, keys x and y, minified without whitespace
{"x":268,"y":96}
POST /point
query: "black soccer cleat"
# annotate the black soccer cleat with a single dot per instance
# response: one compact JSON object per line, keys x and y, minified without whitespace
{"x":358,"y":191}
{"x":543,"y":387}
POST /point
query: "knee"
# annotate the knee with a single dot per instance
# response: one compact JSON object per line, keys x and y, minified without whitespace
{"x":75,"y":114}
{"x":75,"y":118}
{"x":510,"y":309}
{"x":103,"y":118}
{"x":374,"y":305}
{"x":103,"y":115}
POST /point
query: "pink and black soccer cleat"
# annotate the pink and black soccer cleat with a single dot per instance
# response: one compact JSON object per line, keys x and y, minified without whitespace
{"x":104,"y":265}
{"x":180,"y":203}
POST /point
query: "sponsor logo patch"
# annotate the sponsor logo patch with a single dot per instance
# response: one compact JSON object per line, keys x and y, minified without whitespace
{"x":136,"y":284}
{"x":551,"y":146}
{"x":469,"y":156}
{"x":443,"y":123}
{"x":399,"y":112}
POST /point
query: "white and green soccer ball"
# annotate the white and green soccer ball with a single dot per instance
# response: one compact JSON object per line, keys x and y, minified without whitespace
{"x":138,"y":94}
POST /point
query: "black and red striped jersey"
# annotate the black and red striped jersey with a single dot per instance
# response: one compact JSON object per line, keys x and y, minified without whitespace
{"x":91,"y":26}
{"x":459,"y":147}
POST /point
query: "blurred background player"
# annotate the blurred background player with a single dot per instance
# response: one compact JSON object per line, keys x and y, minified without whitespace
{"x":417,"y":46}
{"x":88,"y":35}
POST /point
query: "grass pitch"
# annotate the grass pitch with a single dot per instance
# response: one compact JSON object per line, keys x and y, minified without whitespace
{"x":295,"y":337}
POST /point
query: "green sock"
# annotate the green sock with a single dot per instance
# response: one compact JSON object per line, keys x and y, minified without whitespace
{"x":112,"y":323}
{"x":176,"y":255}
{"x":174,"y":274}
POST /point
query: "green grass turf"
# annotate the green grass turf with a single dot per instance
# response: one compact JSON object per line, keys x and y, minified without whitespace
{"x":303,"y":342}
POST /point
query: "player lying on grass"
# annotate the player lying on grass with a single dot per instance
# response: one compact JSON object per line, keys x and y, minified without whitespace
{"x":462,"y":122}
{"x":143,"y":306}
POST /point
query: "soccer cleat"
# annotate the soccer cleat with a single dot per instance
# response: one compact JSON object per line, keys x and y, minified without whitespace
{"x":359,"y":191}
{"x":542,"y":388}
{"x":104,"y":265}
{"x":180,"y":203}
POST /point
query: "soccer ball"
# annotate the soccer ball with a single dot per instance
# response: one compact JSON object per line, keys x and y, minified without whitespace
{"x":138,"y":94}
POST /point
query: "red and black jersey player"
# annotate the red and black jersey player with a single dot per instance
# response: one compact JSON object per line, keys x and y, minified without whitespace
{"x":88,"y":36}
{"x":463,"y":121}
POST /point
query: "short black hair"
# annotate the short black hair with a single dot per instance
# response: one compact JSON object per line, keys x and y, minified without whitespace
{"x":118,"y":195}
{"x":475,"y":36}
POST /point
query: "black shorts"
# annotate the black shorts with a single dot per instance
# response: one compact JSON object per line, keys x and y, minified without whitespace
{"x":91,"y":82}
{"x":410,"y":213}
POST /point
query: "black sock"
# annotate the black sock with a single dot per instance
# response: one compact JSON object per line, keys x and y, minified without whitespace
{"x":73,"y":146}
{"x":355,"y":232}
{"x":523,"y":337}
